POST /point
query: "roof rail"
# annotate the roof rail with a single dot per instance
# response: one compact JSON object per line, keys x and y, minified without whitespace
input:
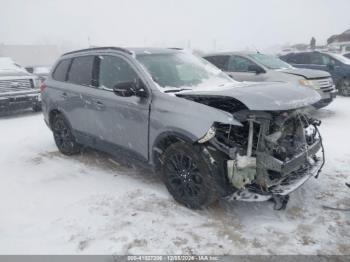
{"x":176,"y":48}
{"x":101,"y":48}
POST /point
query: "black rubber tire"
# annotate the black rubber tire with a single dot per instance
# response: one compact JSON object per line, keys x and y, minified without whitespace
{"x":63,"y":136}
{"x":36,"y":108}
{"x":187,"y":176}
{"x":344,"y":87}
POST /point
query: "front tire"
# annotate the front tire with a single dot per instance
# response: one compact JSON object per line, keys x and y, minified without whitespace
{"x":36,"y":107}
{"x":344,"y":87}
{"x":63,"y":136}
{"x":187,"y":176}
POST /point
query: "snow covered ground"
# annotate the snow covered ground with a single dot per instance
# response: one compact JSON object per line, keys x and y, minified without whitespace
{"x":53,"y":204}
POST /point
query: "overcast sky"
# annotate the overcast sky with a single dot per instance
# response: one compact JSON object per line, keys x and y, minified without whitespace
{"x":201,"y":24}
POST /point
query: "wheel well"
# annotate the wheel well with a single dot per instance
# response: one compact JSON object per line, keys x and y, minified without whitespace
{"x":162,"y":143}
{"x":52,"y":115}
{"x":341,"y":80}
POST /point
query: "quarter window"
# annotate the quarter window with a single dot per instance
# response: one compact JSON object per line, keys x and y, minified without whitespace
{"x":81,"y":70}
{"x":114,"y":70}
{"x":220,"y":61}
{"x":302,"y":58}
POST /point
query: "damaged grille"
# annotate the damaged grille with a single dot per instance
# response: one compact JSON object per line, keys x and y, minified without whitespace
{"x":269,"y":147}
{"x":325,"y":84}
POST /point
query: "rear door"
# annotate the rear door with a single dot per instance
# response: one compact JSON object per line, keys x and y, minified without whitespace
{"x":78,"y":94}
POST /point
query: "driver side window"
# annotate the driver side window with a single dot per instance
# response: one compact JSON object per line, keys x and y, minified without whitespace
{"x":114,"y":70}
{"x":239,"y":64}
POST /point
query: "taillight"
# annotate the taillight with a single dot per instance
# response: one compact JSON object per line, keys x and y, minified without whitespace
{"x":42,"y":86}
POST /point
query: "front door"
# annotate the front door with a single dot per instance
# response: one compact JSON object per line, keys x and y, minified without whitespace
{"x":122,"y":121}
{"x":240,"y":69}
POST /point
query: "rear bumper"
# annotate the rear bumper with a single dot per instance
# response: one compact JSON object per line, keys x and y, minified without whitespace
{"x":15,"y":102}
{"x":297,"y":171}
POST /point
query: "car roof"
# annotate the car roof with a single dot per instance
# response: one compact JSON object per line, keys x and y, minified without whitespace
{"x":130,"y":51}
{"x":232,"y":53}
{"x":307,"y":52}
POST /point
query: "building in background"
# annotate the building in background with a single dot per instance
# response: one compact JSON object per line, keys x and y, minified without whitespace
{"x":340,"y":43}
{"x":28,"y":55}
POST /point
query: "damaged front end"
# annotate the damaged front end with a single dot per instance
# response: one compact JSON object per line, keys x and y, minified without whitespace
{"x":271,"y":154}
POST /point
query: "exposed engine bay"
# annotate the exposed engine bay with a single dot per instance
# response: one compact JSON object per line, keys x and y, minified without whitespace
{"x":271,"y":154}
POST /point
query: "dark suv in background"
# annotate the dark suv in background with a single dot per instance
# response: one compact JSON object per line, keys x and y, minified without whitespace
{"x":257,"y":67}
{"x":337,"y":65}
{"x":208,"y":135}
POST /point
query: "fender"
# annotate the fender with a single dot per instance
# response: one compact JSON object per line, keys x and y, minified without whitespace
{"x":182,"y":118}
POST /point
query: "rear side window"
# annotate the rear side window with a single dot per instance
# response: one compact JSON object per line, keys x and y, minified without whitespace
{"x":60,"y":72}
{"x":80,"y":72}
{"x":302,"y":58}
{"x":219,"y":61}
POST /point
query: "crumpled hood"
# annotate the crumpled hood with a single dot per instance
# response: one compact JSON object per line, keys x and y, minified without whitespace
{"x":267,"y":96}
{"x":307,"y":73}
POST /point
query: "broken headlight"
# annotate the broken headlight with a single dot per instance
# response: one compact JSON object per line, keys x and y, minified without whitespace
{"x":209,"y":135}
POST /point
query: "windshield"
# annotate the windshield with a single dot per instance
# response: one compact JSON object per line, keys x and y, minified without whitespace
{"x":340,"y":58}
{"x":182,"y":70}
{"x":270,"y":62}
{"x":7,"y":63}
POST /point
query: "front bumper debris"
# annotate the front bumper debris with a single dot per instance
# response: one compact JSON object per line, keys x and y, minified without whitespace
{"x":294,"y":176}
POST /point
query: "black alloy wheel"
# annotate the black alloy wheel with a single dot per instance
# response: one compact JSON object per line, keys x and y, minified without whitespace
{"x":63,"y":136}
{"x":187,"y":176}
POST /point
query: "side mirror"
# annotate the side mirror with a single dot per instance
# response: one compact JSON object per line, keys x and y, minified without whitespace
{"x":255,"y":68}
{"x":132,"y":88}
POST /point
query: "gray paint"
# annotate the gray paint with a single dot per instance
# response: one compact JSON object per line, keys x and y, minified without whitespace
{"x":136,"y":123}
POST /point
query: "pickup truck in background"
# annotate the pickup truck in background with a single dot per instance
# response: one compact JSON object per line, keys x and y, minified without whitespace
{"x":18,"y":88}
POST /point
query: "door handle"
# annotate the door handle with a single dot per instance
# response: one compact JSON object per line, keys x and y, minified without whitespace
{"x":64,"y":95}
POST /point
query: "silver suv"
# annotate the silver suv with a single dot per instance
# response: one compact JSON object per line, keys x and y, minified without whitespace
{"x":208,"y":135}
{"x":257,"y":67}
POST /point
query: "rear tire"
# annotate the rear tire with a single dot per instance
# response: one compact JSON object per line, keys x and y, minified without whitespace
{"x":187,"y":176}
{"x":63,"y":136}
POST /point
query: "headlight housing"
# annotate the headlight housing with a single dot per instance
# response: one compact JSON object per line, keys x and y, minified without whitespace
{"x":209,"y":135}
{"x":308,"y":83}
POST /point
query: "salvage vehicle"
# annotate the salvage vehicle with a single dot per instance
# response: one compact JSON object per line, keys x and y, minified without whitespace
{"x":257,"y":67}
{"x":209,"y":136}
{"x":337,"y":65}
{"x":18,"y":88}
